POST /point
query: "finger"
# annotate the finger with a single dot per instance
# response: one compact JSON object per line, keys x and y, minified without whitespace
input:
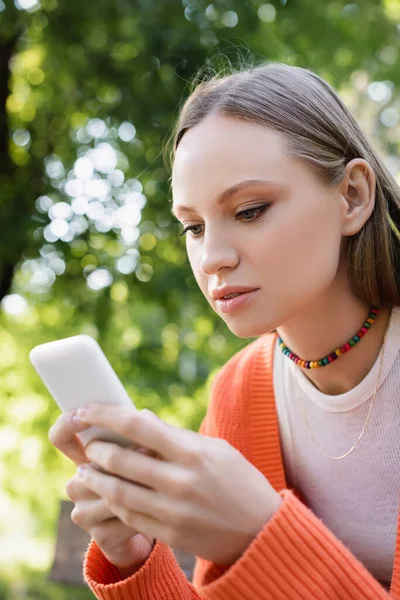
{"x":122,"y":493}
{"x":110,"y":536}
{"x":168,"y":441}
{"x":77,"y":490}
{"x":137,"y":467}
{"x":148,"y":526}
{"x":63,"y":436}
{"x":88,"y":513}
{"x":148,"y":452}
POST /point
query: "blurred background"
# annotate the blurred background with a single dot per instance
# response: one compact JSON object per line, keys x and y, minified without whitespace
{"x":89,"y":92}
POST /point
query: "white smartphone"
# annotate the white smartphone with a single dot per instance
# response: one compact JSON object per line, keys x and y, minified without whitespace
{"x":76,"y":371}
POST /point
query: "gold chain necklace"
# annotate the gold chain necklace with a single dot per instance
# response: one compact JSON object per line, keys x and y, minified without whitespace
{"x":369,"y":412}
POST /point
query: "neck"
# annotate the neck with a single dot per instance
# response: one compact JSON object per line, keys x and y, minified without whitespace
{"x":325,"y":326}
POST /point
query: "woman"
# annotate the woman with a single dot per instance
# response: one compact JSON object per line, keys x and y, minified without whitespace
{"x":290,"y":489}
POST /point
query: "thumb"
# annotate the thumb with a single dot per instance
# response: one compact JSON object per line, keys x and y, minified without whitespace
{"x":148,"y":413}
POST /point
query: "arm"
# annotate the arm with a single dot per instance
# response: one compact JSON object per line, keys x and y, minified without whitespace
{"x":294,"y":556}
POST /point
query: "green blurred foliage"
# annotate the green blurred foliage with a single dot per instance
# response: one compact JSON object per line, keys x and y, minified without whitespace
{"x":87,"y":239}
{"x":34,"y":587}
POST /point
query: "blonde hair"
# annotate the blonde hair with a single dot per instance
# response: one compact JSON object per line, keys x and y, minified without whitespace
{"x":319,"y":129}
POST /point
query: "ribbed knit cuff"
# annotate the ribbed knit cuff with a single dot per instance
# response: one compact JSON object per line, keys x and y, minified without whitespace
{"x":160,"y":577}
{"x":296,"y":556}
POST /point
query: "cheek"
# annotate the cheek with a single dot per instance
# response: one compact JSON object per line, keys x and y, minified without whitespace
{"x":194,"y":260}
{"x":305,"y":253}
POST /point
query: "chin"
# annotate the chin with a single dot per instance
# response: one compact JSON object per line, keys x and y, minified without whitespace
{"x":243,"y":330}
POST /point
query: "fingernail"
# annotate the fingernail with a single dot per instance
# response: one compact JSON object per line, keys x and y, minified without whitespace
{"x":77,"y":421}
{"x":82,"y":471}
{"x":82,"y":412}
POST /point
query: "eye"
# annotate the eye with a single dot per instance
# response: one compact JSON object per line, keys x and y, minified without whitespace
{"x":257,"y":212}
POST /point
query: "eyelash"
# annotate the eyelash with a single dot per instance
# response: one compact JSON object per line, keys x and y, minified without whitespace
{"x":259,"y":210}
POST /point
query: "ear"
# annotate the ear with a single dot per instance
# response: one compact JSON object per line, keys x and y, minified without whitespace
{"x":358,"y":194}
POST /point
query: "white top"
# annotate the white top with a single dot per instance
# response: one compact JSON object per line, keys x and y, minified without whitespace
{"x":356,"y":497}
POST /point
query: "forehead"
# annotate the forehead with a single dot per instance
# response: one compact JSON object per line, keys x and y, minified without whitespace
{"x":221,"y":151}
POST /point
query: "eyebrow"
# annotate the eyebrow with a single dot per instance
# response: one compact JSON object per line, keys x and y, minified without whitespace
{"x":226,"y":195}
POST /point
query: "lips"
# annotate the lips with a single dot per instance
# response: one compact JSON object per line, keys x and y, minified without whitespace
{"x":229,"y":296}
{"x":219,"y":293}
{"x":229,"y":305}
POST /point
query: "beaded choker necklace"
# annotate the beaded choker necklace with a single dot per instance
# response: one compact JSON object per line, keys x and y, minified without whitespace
{"x":330,"y":358}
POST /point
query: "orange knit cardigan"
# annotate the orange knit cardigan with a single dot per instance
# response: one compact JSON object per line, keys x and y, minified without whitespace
{"x":294,"y":557}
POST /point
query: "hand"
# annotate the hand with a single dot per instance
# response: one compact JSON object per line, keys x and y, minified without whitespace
{"x":203,"y":496}
{"x":63,"y":436}
{"x":123,"y":546}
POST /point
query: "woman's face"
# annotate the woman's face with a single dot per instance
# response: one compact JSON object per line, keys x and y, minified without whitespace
{"x":290,"y":251}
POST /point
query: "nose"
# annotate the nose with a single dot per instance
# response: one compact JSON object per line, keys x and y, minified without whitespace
{"x":217,"y":252}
